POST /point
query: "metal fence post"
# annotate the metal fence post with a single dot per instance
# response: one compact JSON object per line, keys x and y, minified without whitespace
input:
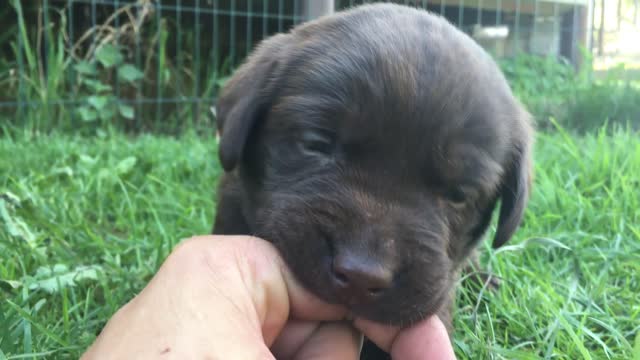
{"x":311,"y":9}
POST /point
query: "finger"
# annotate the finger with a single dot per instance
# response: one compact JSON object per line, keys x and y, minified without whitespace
{"x":313,"y":340}
{"x":334,"y":340}
{"x":383,"y":336}
{"x":292,"y":337}
{"x":274,"y":292}
{"x":306,"y":306}
{"x":192,"y":307}
{"x":425,"y":340}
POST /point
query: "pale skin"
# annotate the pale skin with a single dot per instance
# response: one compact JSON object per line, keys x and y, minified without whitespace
{"x":232,"y":297}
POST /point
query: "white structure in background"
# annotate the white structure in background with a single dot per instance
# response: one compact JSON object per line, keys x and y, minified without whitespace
{"x":544,"y":27}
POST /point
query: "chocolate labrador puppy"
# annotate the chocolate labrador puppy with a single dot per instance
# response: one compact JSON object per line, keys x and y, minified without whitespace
{"x":372,"y":147}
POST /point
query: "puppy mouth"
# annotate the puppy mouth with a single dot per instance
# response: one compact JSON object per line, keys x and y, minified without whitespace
{"x":393,"y":316}
{"x":375,"y":314}
{"x":399,"y":300}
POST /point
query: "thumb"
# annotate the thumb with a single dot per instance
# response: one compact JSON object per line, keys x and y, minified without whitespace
{"x":426,"y":340}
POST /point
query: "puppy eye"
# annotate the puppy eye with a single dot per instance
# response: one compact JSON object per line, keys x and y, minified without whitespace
{"x":456,"y":196}
{"x":314,"y":143}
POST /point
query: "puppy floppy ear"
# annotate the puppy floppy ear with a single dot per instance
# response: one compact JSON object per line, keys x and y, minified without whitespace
{"x":515,"y":190}
{"x":246,"y":98}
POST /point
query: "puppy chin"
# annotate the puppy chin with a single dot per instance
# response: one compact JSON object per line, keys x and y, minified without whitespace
{"x":402,"y":306}
{"x":402,"y":313}
{"x":386,"y":312}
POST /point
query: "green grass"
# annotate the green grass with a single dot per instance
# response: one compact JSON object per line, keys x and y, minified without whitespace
{"x":106,"y":211}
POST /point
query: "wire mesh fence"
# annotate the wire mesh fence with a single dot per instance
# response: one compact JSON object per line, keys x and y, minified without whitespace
{"x":155,"y":64}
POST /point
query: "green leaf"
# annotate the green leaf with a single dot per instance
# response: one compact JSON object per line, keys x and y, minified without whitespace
{"x":126,"y":111}
{"x":129,"y":73}
{"x":107,"y":113}
{"x":85,"y":68}
{"x":87,"y":114}
{"x":109,"y":55}
{"x":64,"y":171}
{"x":105,"y":175}
{"x":98,"y":102}
{"x":546,"y":242}
{"x":87,"y":160}
{"x":222,"y":80}
{"x":166,"y":76}
{"x":9,"y":285}
{"x":39,"y":305}
{"x":14,"y":225}
{"x":636,"y":347}
{"x":10,"y":197}
{"x":96,"y":85}
{"x":53,"y":279}
{"x":125,"y":166}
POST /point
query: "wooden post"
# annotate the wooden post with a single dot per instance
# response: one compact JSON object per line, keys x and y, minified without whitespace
{"x":601,"y":30}
{"x":312,"y":9}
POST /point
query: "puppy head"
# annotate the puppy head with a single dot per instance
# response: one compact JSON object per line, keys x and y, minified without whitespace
{"x":374,"y":158}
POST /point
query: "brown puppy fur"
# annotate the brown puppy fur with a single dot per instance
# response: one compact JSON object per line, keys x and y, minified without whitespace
{"x":383,"y":137}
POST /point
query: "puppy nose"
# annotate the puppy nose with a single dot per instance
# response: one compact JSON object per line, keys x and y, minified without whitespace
{"x":359,"y":280}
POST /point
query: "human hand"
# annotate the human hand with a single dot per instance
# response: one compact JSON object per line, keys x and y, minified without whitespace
{"x":232,"y":297}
